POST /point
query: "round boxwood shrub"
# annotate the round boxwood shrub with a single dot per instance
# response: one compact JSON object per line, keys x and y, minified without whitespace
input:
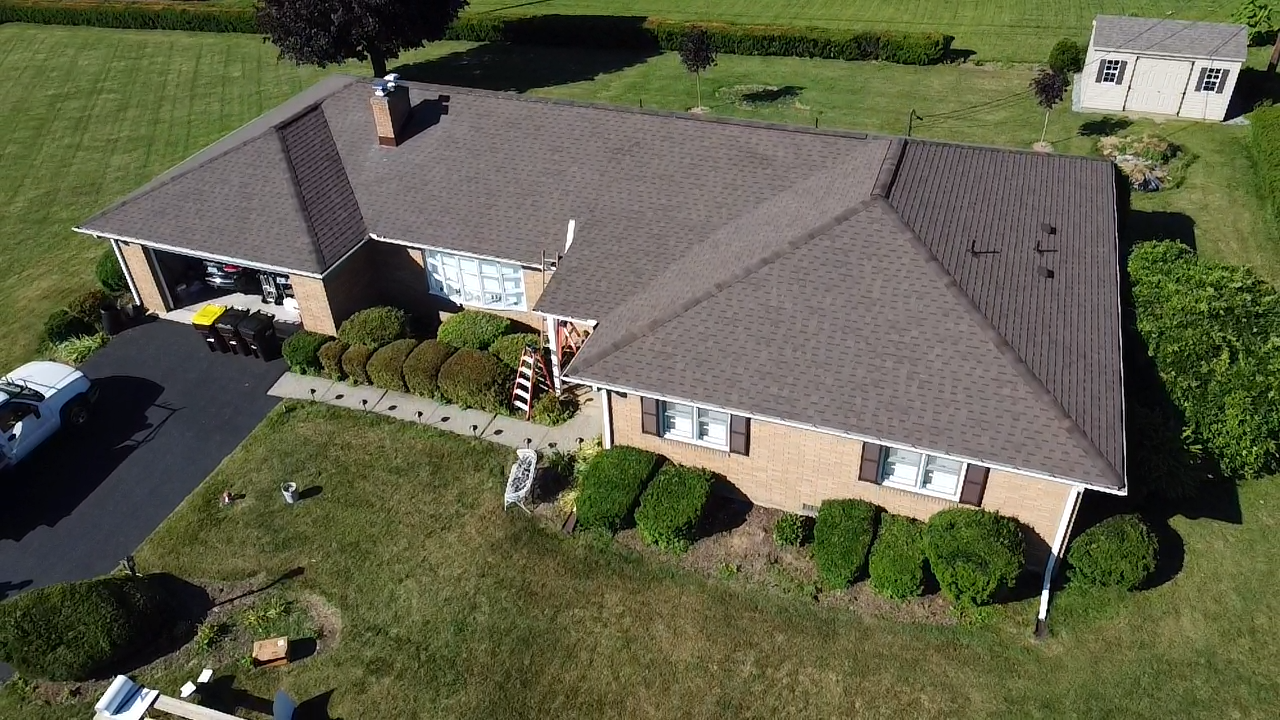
{"x":302,"y":351}
{"x":330,"y":356}
{"x":355,"y":363}
{"x":1066,"y":57}
{"x":475,"y":379}
{"x":974,"y":553}
{"x":63,"y":325}
{"x":473,"y":329}
{"x":386,"y":366}
{"x":672,"y":505}
{"x":422,"y":368}
{"x":509,"y":348}
{"x":552,"y":409}
{"x":375,"y":327}
{"x":841,"y":540}
{"x":792,"y":530}
{"x":897,"y":558}
{"x":1117,"y":552}
{"x":84,"y":630}
{"x":609,"y":487}
{"x":109,"y":273}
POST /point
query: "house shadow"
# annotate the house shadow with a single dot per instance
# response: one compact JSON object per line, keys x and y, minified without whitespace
{"x":520,"y":68}
{"x":50,"y":484}
{"x":1142,"y":225}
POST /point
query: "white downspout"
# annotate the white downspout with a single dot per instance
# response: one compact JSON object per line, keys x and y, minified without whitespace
{"x":606,"y":434}
{"x":553,"y":344}
{"x":124,"y":267}
{"x":1055,"y":553}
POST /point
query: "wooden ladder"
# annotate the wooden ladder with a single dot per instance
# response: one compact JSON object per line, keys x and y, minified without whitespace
{"x":528,"y":380}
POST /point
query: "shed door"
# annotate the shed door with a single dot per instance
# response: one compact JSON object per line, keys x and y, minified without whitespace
{"x":1157,"y":85}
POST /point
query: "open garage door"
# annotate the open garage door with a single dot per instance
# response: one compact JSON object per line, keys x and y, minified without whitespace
{"x":1158,"y":85}
{"x":190,"y":283}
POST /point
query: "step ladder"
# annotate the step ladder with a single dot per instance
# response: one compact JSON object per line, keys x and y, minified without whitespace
{"x":571,"y":338}
{"x":531,"y":376}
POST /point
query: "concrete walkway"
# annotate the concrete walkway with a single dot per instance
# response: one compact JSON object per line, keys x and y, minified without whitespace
{"x":402,"y":406}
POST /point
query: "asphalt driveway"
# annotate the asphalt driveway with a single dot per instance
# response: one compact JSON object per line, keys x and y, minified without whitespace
{"x":168,"y":412}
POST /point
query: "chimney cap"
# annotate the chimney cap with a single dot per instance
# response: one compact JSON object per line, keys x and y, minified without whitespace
{"x":386,"y":85}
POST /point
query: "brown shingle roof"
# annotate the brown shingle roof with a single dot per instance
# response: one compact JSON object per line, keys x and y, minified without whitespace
{"x":1219,"y":41}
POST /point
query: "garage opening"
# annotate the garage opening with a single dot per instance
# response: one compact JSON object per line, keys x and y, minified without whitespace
{"x":190,"y":283}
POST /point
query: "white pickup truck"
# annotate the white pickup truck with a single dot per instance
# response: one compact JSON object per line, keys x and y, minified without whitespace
{"x":35,"y":401}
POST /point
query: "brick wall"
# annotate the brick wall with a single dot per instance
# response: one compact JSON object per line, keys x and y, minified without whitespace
{"x":788,"y":468}
{"x":135,"y":258}
{"x":313,"y":305}
{"x":351,"y":286}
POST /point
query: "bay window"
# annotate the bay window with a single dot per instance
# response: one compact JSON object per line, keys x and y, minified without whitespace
{"x":475,"y":281}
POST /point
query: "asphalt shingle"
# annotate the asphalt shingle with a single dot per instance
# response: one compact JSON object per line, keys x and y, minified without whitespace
{"x":1219,"y":41}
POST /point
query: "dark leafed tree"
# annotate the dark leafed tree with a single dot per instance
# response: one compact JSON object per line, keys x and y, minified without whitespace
{"x":328,"y":32}
{"x":697,"y":54}
{"x":1049,"y":88}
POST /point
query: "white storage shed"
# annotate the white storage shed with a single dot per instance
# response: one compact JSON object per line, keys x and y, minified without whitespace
{"x":1163,"y":67}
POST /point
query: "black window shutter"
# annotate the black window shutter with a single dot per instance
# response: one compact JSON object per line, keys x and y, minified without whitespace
{"x":1102,"y":65}
{"x":869,"y":469}
{"x":975,"y":484}
{"x":739,"y":434}
{"x":1200,"y":79}
{"x":1120,"y":73}
{"x":1222,"y":82}
{"x":648,"y":416}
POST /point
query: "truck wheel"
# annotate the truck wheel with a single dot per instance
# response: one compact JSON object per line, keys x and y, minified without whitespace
{"x":76,"y":414}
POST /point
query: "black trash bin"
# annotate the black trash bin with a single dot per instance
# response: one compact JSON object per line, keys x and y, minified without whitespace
{"x":226,"y":325}
{"x":259,"y":332}
{"x":204,"y":321}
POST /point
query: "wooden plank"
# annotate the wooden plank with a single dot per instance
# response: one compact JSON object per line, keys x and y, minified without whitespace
{"x":184,"y":709}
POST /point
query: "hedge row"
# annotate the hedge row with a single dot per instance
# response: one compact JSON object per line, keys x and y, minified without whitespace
{"x":672,"y":505}
{"x":841,"y":540}
{"x":1264,"y":152}
{"x":897,"y":558}
{"x":974,"y":554}
{"x":599,"y":31}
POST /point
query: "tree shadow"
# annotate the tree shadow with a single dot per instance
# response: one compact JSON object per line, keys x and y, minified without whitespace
{"x":8,"y":588}
{"x":768,"y":96}
{"x":1255,"y":86}
{"x":284,"y":577}
{"x":519,"y":68}
{"x":1142,"y":225}
{"x":1102,"y":127}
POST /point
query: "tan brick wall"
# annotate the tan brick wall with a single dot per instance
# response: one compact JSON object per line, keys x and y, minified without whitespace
{"x":351,"y":286}
{"x":313,"y":305}
{"x":135,"y":257}
{"x":788,"y":468}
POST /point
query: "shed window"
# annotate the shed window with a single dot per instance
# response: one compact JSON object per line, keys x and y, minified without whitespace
{"x":1211,"y":80}
{"x":1111,"y":72}
{"x":473,"y":281}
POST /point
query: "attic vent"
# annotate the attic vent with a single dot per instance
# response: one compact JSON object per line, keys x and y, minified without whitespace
{"x":808,"y":509}
{"x":1044,"y":272}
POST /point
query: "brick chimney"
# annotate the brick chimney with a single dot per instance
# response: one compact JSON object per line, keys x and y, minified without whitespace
{"x":390,"y":101}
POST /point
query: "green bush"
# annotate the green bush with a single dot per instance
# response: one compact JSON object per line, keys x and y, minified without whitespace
{"x":792,"y":530}
{"x":473,"y":329}
{"x":841,"y":540}
{"x":62,"y":325}
{"x":509,"y":348}
{"x":897,"y":558}
{"x":672,"y":505}
{"x":1211,"y":330}
{"x":1067,"y":57}
{"x":1264,"y":154}
{"x":88,"y":306}
{"x":77,"y":349}
{"x":355,"y":362}
{"x":108,"y":271}
{"x":551,"y":409}
{"x":609,"y":487}
{"x":1117,"y":552}
{"x":301,"y":351}
{"x":375,"y":327}
{"x":132,"y":16}
{"x":974,"y":554}
{"x":84,"y":630}
{"x":422,"y":368}
{"x":330,"y":356}
{"x":651,"y":34}
{"x":475,"y":379}
{"x":386,"y":366}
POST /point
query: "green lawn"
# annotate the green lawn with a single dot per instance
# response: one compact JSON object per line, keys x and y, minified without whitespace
{"x":451,"y":609}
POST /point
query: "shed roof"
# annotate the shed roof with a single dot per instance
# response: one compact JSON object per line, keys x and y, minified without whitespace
{"x":1184,"y":38}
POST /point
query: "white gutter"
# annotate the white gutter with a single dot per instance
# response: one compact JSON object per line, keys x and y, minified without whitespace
{"x":451,"y":251}
{"x":197,"y":253}
{"x":124,"y":267}
{"x":606,"y":434}
{"x":1056,"y":552}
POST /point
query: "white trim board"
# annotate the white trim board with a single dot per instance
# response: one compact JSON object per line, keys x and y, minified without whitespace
{"x":453,"y":251}
{"x":854,"y":436}
{"x":199,"y":254}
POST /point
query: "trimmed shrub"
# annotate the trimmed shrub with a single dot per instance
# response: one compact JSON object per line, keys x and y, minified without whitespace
{"x":1066,"y":57}
{"x":974,"y":553}
{"x":897,"y":558}
{"x":386,"y":366}
{"x":330,"y":356}
{"x":355,"y":362}
{"x":422,"y":368}
{"x":1264,"y":154}
{"x":551,"y":409}
{"x":475,"y":379}
{"x":88,"y":306}
{"x":609,"y":487}
{"x":108,"y":271}
{"x":302,"y":351}
{"x":131,"y":16}
{"x":841,"y":540}
{"x":651,"y":34}
{"x":792,"y":530}
{"x":473,"y":329}
{"x":509,"y":348}
{"x":375,"y":327}
{"x":1117,"y":552}
{"x":672,"y":505}
{"x":83,"y":630}
{"x":62,"y":325}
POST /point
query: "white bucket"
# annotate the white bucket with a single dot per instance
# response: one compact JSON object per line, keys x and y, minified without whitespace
{"x":290,"y":492}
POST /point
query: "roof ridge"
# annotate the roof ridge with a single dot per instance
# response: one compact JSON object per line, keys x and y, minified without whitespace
{"x":295,"y":189}
{"x":1002,"y":345}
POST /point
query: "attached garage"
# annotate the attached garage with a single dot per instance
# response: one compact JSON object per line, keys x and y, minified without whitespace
{"x":1162,"y":67}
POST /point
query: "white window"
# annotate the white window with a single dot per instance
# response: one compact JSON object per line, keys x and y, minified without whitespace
{"x":1110,"y":71}
{"x":1212,"y":80}
{"x":473,"y":281}
{"x":917,"y":471}
{"x":695,"y":425}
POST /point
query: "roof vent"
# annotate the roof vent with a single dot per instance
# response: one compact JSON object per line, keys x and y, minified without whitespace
{"x":390,"y":103}
{"x":1048,"y":229}
{"x":1044,"y":272}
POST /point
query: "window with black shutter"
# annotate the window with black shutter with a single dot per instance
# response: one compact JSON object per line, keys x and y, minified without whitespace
{"x":975,"y":485}
{"x":648,"y":416}
{"x":739,"y":434}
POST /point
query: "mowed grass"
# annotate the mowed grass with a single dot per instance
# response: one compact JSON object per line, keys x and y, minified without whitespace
{"x":452,"y":609}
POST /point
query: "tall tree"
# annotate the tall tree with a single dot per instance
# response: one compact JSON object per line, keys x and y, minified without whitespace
{"x":328,"y":32}
{"x":697,"y":54}
{"x":1049,"y":88}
